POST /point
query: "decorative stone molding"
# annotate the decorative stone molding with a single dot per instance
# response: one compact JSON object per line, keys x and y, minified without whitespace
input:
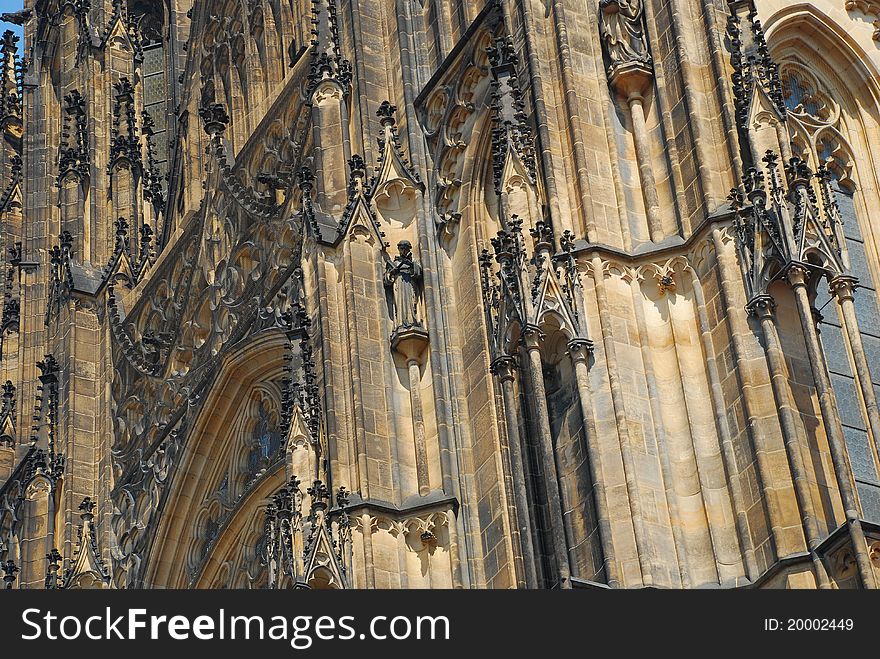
{"x":311,"y":549}
{"x":868,"y":8}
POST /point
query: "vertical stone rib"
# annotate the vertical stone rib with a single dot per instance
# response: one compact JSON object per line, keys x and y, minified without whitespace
{"x":727,"y":450}
{"x":720,"y":71}
{"x":680,"y":542}
{"x":643,"y":543}
{"x":367,"y":533}
{"x":560,"y":544}
{"x":574,"y":121}
{"x":333,"y":414}
{"x":418,"y":421}
{"x":705,"y":458}
{"x":524,"y":525}
{"x":454,"y":556}
{"x":356,"y":393}
{"x":842,"y":289}
{"x":738,"y":328}
{"x":690,"y":82}
{"x":443,"y":355}
{"x":538,"y":93}
{"x":763,"y":307}
{"x":646,"y":171}
{"x":578,"y":351}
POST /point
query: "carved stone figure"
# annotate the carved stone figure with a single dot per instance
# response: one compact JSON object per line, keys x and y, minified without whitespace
{"x":622,"y":25}
{"x":403,"y":276}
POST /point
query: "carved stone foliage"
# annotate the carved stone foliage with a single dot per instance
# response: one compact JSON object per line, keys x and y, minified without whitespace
{"x":781,"y":220}
{"x":231,"y":275}
{"x":423,"y":538}
{"x":449,"y":110}
{"x":870,"y":8}
{"x":308,"y":549}
{"x":523,"y":287}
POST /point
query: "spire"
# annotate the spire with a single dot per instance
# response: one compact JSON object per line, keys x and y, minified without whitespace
{"x":8,"y":418}
{"x":755,"y":72}
{"x":10,"y":77}
{"x":757,"y":86}
{"x":511,"y":133}
{"x":73,"y":154}
{"x":87,"y":568}
{"x":393,"y":164}
{"x":525,"y":287}
{"x":313,"y":550}
{"x":782,"y":219}
{"x":326,"y":61}
{"x":125,"y":148}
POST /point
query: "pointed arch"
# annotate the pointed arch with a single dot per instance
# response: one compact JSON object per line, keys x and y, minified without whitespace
{"x":839,"y":121}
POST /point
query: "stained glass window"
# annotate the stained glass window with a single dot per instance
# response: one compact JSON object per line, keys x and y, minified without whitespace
{"x":801,"y":96}
{"x":265,"y":442}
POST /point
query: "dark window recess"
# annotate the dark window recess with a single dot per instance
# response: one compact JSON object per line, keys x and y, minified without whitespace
{"x":155,"y":95}
{"x":862,"y":453}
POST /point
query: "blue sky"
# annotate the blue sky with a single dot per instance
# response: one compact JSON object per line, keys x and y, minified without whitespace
{"x":8,"y":6}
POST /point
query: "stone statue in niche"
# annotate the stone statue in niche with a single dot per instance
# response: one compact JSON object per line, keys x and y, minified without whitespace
{"x":403,"y":277}
{"x":622,"y":24}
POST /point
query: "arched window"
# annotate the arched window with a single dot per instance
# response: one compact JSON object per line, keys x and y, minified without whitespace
{"x":265,"y":442}
{"x":822,"y":112}
{"x":149,"y":17}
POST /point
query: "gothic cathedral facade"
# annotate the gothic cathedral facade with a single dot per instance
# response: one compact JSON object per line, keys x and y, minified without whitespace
{"x":440,"y":294}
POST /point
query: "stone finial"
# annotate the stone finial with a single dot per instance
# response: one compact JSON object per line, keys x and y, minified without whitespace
{"x":9,"y":571}
{"x":214,"y":117}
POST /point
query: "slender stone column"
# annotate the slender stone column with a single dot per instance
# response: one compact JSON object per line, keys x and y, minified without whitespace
{"x":505,"y":369}
{"x":532,"y":337}
{"x":648,"y":563}
{"x":454,"y":556}
{"x":757,"y":429}
{"x":418,"y":421}
{"x":635,"y":102}
{"x":580,"y":350}
{"x":631,"y":75}
{"x":763,"y":308}
{"x":842,"y":288}
{"x":412,"y":343}
{"x":367,"y":536}
{"x":797,"y":277}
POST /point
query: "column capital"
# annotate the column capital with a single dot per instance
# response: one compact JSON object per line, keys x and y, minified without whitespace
{"x":504,"y":367}
{"x":843,"y":287}
{"x":580,"y":349}
{"x":798,"y":274}
{"x":532,"y":336}
{"x":762,"y":306}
